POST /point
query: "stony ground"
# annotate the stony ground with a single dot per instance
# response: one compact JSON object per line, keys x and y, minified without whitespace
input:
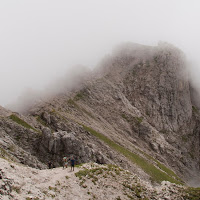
{"x":90,"y":181}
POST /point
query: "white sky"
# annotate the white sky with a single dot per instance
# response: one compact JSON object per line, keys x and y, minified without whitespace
{"x":40,"y":39}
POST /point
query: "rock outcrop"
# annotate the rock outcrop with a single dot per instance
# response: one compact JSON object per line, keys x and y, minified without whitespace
{"x":62,"y":143}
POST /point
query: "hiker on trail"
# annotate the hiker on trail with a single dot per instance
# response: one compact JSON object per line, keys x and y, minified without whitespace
{"x":72,"y":160}
{"x":65,"y":162}
{"x":50,"y":164}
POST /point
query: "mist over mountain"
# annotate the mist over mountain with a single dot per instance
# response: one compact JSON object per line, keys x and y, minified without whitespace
{"x":37,"y":50}
{"x":71,"y":80}
{"x":113,"y":86}
{"x":77,"y":75}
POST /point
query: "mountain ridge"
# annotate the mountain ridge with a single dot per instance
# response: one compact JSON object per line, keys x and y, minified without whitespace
{"x":136,"y":111}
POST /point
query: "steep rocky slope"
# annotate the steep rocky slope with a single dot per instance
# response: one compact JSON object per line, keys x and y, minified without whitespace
{"x":135,"y":111}
{"x":18,"y":139}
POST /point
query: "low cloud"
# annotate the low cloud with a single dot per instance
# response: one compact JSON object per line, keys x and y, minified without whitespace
{"x":62,"y":85}
{"x":40,"y":40}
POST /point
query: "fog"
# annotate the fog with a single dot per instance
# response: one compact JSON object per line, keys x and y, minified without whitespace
{"x":41,"y":40}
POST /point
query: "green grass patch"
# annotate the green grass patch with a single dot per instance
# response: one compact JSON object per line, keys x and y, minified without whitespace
{"x":168,"y":171}
{"x":156,"y":174}
{"x":74,"y":104}
{"x":133,"y":73}
{"x":53,"y":188}
{"x":192,"y":155}
{"x":81,"y":173}
{"x":11,"y":148}
{"x":41,"y":121}
{"x":184,"y":138}
{"x":163,"y":131}
{"x":79,"y":165}
{"x":71,"y":102}
{"x":16,"y":189}
{"x":90,"y":172}
{"x":161,"y":166}
{"x":81,"y":94}
{"x":192,"y":194}
{"x":139,"y":120}
{"x":78,"y":96}
{"x":125,"y":117}
{"x":194,"y":109}
{"x":21,"y":122}
{"x":18,"y":137}
{"x":6,"y":156}
{"x":3,"y":153}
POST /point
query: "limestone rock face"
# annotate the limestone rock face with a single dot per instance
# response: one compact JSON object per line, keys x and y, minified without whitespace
{"x":160,"y":90}
{"x":151,"y":95}
{"x":62,"y":143}
{"x":18,"y":143}
{"x":34,"y":148}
